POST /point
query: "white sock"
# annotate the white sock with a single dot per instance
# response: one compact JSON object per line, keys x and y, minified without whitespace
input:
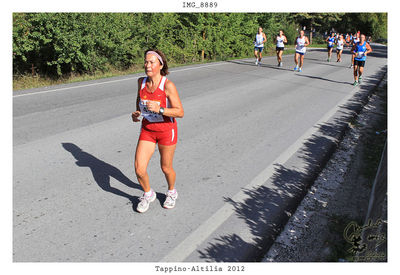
{"x":173,"y":191}
{"x":148,"y":194}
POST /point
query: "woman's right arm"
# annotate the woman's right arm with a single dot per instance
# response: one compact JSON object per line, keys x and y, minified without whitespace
{"x":136,"y":115}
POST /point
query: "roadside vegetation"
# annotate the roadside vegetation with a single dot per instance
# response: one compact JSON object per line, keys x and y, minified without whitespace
{"x":55,"y":48}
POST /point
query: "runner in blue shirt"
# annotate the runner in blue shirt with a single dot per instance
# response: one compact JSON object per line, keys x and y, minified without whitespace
{"x":360,"y":51}
{"x":331,"y":42}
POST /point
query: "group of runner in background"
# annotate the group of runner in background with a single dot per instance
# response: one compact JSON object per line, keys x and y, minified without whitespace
{"x":359,"y":44}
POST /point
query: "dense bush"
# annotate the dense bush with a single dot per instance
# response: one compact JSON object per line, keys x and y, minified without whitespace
{"x":59,"y":43}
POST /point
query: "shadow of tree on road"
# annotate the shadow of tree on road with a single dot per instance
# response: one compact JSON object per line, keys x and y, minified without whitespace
{"x":102,"y":172}
{"x":268,"y":207}
{"x":265,"y":210}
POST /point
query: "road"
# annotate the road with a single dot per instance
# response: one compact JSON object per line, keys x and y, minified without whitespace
{"x":248,"y":140}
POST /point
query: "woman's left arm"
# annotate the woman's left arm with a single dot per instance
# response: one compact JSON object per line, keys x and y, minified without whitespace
{"x":307,"y":42}
{"x":176,"y":109}
{"x":369,"y":49}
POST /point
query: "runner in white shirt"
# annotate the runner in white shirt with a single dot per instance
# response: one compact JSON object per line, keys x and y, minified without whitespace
{"x":301,"y":44}
{"x":259,"y":45}
{"x":280,"y":46}
{"x":339,"y":47}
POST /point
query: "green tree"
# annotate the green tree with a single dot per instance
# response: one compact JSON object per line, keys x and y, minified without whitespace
{"x":56,"y":44}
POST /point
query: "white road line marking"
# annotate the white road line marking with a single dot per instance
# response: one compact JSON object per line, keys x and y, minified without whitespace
{"x":197,"y":237}
{"x":111,"y":81}
{"x":75,"y":87}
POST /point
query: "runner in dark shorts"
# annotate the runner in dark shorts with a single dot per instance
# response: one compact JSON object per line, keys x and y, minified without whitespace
{"x":360,"y":50}
{"x":331,"y":42}
{"x":280,"y":47}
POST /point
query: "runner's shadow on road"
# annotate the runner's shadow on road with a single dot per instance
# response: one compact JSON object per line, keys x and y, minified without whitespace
{"x":263,"y":65}
{"x":103,"y":172}
{"x":333,"y":64}
{"x":324,"y":79}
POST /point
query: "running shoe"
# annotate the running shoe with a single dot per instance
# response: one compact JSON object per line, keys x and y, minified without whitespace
{"x":355,"y":83}
{"x":281,"y":64}
{"x":359,"y":79}
{"x":296,"y":68}
{"x":145,"y":201}
{"x":299,"y":70}
{"x":257,"y":62}
{"x":170,"y":200}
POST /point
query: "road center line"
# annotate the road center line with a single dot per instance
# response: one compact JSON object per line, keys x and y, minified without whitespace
{"x":197,"y":237}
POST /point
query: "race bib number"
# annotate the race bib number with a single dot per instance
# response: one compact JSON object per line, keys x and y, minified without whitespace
{"x":301,"y":48}
{"x":149,"y":115}
{"x":360,"y":54}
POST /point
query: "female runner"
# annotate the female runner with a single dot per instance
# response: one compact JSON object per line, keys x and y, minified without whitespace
{"x":159,"y":104}
{"x":301,"y":44}
{"x":280,"y":46}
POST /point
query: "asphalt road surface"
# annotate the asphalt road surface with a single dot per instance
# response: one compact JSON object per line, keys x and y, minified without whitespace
{"x":242,"y":152}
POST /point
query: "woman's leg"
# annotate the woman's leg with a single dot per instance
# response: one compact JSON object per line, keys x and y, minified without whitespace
{"x":280,"y":56}
{"x":301,"y":60}
{"x":166,"y":161}
{"x":144,"y":151}
{"x":360,"y":71}
{"x":355,"y":72}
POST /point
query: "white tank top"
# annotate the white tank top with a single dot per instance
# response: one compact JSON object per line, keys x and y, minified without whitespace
{"x":259,"y":40}
{"x":279,"y":41}
{"x":340,"y":44}
{"x":300,"y":44}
